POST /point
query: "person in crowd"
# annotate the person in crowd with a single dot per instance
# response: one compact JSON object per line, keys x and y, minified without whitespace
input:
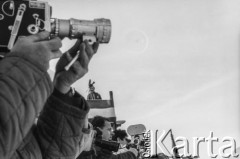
{"x":26,"y":87}
{"x":121,"y":137}
{"x":92,"y":95}
{"x":103,"y":125}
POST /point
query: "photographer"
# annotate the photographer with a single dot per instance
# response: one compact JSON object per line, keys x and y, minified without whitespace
{"x":103,"y":126}
{"x":64,"y":117}
{"x":25,"y":87}
{"x":121,"y":137}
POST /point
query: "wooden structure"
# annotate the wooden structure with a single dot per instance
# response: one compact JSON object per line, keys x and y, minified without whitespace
{"x":104,"y":108}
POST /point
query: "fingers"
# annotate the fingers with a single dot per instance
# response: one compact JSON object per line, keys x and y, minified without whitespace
{"x":39,"y":36}
{"x":80,"y":67}
{"x":67,"y":67}
{"x":68,"y":56}
{"x":73,"y":50}
{"x":53,"y":44}
{"x":95,"y":47}
{"x":83,"y":57}
{"x":89,"y":49}
{"x":86,"y":53}
{"x":20,"y":37}
{"x":55,"y":54}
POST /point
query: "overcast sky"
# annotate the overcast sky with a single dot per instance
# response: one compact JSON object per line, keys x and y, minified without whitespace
{"x":170,"y":63}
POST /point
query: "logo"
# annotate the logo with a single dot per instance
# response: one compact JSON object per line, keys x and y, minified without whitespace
{"x":180,"y":145}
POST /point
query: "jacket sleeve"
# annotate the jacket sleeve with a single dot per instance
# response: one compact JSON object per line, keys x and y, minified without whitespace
{"x":59,"y":127}
{"x":124,"y":155}
{"x":25,"y":86}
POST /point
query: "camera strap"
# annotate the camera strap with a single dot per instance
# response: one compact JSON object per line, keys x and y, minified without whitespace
{"x":16,"y":25}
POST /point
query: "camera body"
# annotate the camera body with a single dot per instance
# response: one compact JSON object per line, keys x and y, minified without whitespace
{"x":109,"y":145}
{"x":136,"y":141}
{"x":26,"y":17}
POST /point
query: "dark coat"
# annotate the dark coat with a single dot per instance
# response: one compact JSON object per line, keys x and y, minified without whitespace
{"x":25,"y":87}
{"x":91,"y":155}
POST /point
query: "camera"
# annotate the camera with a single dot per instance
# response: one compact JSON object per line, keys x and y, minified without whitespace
{"x":136,"y":141}
{"x":131,"y":145}
{"x":26,"y":17}
{"x":109,"y":145}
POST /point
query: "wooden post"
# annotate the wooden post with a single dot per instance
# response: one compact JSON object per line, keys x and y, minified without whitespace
{"x":112,"y":103}
{"x":111,"y":97}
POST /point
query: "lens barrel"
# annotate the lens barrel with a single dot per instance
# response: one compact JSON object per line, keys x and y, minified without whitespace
{"x":100,"y":29}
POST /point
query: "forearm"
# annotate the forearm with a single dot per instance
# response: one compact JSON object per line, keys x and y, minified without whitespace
{"x":59,"y":127}
{"x":24,"y":90}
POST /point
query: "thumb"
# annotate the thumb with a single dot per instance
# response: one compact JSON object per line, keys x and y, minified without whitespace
{"x":39,"y":36}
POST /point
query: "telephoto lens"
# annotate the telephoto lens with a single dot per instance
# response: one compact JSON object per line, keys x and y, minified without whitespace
{"x":98,"y":30}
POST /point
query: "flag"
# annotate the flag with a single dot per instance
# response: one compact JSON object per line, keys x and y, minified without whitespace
{"x":103,"y":108}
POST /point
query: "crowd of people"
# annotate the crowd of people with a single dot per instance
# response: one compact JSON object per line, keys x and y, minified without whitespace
{"x":104,"y":148}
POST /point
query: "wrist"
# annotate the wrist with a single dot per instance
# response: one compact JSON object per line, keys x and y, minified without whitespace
{"x":63,"y":89}
{"x":71,"y":92}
